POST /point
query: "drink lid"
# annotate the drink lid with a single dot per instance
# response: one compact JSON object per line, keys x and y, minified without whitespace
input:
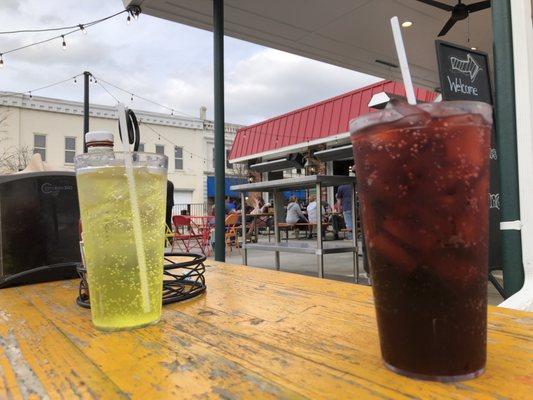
{"x":99,"y":136}
{"x":406,"y":115}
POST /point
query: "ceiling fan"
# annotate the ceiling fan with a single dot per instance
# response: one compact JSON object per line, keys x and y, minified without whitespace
{"x":459,"y":12}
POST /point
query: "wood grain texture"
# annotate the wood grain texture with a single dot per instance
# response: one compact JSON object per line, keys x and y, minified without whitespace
{"x":256,"y":333}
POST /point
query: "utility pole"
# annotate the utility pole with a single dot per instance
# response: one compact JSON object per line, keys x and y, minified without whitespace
{"x":220,"y":152}
{"x":86,"y":76}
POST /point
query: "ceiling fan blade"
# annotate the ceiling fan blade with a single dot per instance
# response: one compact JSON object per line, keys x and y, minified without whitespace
{"x":437,"y":4}
{"x":478,"y":6}
{"x":451,"y":22}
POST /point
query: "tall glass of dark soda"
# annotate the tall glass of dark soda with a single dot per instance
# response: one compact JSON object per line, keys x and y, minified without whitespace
{"x":423,"y":177}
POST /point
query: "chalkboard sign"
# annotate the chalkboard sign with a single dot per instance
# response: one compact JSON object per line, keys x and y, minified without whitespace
{"x":464,"y":75}
{"x":463,"y":72}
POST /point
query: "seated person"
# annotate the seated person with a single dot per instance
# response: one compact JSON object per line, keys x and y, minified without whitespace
{"x":247,"y":210}
{"x":311,"y":209}
{"x":211,"y":217}
{"x":294,"y":212}
{"x":257,"y":209}
{"x":337,"y":222}
{"x":327,"y":208}
{"x":266,"y":207}
{"x":312,"y":214}
{"x":229,"y":205}
{"x":259,"y":203}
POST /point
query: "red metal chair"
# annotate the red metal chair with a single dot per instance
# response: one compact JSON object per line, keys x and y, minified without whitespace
{"x":187,"y":234}
{"x":204,"y":224}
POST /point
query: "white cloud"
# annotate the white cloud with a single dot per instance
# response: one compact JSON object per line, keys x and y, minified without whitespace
{"x":161,"y":60}
{"x":272,"y":82}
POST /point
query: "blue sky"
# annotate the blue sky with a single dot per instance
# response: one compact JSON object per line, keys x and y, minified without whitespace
{"x":161,"y":60}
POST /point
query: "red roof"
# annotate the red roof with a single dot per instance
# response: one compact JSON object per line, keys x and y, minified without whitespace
{"x":326,"y":118}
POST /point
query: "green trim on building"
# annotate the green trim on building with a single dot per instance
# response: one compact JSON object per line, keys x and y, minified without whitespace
{"x":505,"y":125}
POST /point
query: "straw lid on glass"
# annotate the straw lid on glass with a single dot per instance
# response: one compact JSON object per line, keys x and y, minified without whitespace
{"x":99,"y":136}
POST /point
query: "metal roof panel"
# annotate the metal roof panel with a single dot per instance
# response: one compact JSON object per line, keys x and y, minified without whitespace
{"x":325,"y":118}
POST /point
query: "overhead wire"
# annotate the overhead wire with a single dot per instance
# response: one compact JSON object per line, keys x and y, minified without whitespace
{"x":107,"y":91}
{"x":171,"y":142}
{"x":129,"y":92}
{"x":31,"y":91}
{"x":3,"y":53}
{"x":132,"y":11}
{"x":98,"y":81}
{"x":144,"y":123}
{"x":85,"y":25}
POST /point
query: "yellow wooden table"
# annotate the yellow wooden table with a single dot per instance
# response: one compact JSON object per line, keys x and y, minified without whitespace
{"x":255,"y":334}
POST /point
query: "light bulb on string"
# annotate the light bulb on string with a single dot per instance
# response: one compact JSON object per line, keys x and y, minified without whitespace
{"x":64,"y":44}
{"x":131,"y":97}
{"x":75,"y":80}
{"x":30,"y":95}
{"x":128,"y":20}
{"x":1,"y":61}
{"x":82,"y":29}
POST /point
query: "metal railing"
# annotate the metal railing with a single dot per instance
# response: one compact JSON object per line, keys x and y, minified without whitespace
{"x":190,"y":209}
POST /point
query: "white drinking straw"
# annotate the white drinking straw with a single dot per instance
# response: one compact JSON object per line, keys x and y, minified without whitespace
{"x":402,"y":58}
{"x":135,"y":212}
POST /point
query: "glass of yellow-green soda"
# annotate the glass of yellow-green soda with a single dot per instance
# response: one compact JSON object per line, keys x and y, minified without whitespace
{"x":123,"y":220}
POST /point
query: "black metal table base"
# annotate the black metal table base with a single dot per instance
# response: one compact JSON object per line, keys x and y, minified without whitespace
{"x":181,"y":280}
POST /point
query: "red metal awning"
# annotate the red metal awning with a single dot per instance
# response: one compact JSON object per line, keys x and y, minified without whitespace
{"x":326,"y":118}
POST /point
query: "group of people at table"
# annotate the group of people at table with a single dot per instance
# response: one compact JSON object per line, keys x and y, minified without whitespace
{"x":339,"y":216}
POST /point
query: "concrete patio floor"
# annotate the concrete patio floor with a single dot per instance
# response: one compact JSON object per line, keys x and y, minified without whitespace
{"x":336,"y":266}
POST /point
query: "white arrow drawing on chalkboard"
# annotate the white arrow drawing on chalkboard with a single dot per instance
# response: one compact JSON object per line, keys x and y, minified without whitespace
{"x":467,"y":67}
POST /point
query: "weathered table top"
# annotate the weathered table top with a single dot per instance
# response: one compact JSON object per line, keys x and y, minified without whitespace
{"x":255,"y":334}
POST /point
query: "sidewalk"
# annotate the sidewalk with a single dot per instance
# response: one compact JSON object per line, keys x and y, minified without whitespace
{"x":336,"y":266}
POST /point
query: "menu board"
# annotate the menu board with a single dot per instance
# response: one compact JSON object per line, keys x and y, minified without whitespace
{"x":464,"y":75}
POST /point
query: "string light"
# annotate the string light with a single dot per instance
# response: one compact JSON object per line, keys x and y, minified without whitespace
{"x":30,"y":95}
{"x":75,"y":80}
{"x":1,"y":60}
{"x":132,"y":10}
{"x":128,"y":20}
{"x":131,"y":97}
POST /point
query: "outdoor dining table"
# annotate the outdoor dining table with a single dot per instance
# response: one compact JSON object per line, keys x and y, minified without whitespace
{"x":259,"y":217}
{"x":320,"y":248}
{"x":256,"y":333}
